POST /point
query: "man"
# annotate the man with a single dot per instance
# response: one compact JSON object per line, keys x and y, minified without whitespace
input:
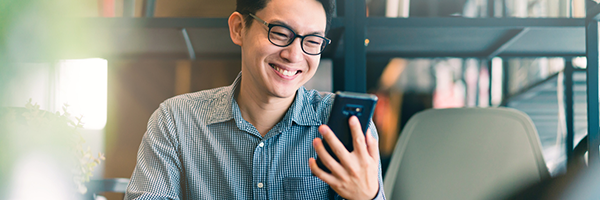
{"x":254,"y":139}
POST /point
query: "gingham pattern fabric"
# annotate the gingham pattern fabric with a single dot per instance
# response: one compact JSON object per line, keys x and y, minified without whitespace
{"x":198,"y":146}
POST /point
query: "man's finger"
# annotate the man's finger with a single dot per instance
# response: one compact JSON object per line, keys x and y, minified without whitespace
{"x":358,"y":138}
{"x":326,"y":158}
{"x":318,"y":172}
{"x":372,"y":146}
{"x":334,"y":143}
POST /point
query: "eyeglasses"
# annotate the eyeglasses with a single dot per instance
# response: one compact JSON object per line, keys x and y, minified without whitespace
{"x":282,"y":36}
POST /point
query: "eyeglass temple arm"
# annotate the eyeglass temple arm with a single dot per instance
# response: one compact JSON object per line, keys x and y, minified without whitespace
{"x":260,"y":20}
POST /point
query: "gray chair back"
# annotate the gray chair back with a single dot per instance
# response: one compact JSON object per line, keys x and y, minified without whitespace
{"x":465,"y":153}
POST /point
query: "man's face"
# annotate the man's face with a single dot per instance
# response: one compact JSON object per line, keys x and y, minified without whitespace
{"x":279,"y":71}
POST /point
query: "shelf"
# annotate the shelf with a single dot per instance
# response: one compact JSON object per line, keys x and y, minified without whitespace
{"x":476,"y":37}
{"x":162,"y":38}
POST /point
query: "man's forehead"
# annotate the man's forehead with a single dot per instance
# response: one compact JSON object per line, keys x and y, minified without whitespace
{"x":308,"y":15}
{"x":316,"y":31}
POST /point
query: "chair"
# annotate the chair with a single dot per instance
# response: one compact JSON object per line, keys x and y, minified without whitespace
{"x":465,"y":153}
{"x":106,"y":185}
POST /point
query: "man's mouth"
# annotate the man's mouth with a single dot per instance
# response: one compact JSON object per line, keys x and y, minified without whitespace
{"x":283,"y":71}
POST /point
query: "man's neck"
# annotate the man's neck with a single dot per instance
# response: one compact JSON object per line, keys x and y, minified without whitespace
{"x":261,"y":110}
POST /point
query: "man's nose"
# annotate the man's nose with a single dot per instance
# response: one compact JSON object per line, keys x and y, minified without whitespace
{"x":293,"y":53}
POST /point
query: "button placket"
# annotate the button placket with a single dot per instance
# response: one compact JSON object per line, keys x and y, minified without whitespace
{"x":260,"y":171}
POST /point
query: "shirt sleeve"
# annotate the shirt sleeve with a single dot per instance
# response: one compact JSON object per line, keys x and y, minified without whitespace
{"x":157,"y":172}
{"x":380,"y":194}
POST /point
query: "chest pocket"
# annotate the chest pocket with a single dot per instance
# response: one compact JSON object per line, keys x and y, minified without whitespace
{"x":309,"y":187}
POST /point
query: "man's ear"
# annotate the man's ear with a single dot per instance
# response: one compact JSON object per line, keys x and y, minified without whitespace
{"x":236,"y":26}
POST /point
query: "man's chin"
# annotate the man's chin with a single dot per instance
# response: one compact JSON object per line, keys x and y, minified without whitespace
{"x":288,"y":93}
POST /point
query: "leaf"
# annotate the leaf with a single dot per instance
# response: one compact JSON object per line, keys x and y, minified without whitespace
{"x":46,"y":127}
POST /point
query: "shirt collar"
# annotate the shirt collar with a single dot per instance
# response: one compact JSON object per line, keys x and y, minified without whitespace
{"x":301,"y":111}
{"x":221,"y":105}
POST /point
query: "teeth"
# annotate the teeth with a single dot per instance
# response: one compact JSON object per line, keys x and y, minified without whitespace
{"x":284,"y":72}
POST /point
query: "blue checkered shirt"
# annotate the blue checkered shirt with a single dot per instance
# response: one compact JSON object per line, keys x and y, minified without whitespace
{"x":198,"y":146}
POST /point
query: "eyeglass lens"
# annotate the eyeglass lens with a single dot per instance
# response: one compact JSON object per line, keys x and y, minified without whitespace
{"x":283,"y":36}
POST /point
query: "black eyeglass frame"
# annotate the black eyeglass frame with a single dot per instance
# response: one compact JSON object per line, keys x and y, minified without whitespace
{"x":270,"y":26}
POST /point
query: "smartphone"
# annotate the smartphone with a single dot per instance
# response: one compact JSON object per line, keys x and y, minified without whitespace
{"x":348,"y":104}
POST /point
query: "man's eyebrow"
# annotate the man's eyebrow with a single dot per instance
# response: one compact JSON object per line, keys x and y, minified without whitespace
{"x":278,"y":22}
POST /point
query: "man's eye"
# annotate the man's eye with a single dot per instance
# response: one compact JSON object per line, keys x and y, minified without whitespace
{"x":279,"y":35}
{"x":314,"y":42}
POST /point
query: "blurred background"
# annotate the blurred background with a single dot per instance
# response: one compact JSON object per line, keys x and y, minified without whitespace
{"x":114,"y":61}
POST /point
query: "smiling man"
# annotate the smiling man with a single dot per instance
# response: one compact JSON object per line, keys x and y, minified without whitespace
{"x":257,"y":138}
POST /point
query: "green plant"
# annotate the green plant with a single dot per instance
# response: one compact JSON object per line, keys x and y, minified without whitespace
{"x":31,"y":129}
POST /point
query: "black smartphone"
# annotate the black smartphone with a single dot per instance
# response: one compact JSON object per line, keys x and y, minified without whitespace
{"x":348,"y":104}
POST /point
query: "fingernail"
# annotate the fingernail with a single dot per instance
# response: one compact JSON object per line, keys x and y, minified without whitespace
{"x":322,"y":130}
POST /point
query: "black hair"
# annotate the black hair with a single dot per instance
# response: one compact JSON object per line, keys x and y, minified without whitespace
{"x":245,"y":7}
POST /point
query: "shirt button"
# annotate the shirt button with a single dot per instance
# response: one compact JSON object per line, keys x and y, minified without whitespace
{"x":260,"y":185}
{"x":261,"y":144}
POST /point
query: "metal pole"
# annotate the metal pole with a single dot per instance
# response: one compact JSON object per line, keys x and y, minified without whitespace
{"x":489,"y":67}
{"x":150,"y":7}
{"x":463,"y":69}
{"x":338,"y":72}
{"x":490,"y":8}
{"x":360,"y":58}
{"x":353,"y":73}
{"x":477,"y":88}
{"x":188,"y":44}
{"x":505,"y":81}
{"x":592,"y":91}
{"x":337,"y":78}
{"x":568,"y":83}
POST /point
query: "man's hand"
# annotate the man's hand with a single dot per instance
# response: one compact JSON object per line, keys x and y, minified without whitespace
{"x":356,"y":175}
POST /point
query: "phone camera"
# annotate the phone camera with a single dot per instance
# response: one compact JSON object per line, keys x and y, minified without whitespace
{"x":353,"y":110}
